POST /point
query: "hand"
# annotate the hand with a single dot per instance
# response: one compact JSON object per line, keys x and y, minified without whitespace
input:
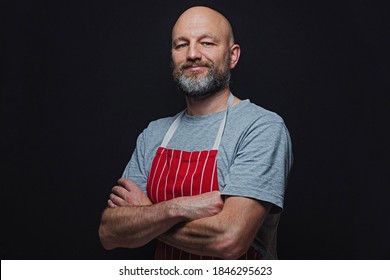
{"x":201,"y":206}
{"x":127,"y":193}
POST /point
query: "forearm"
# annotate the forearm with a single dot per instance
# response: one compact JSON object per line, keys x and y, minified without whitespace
{"x":135,"y":226}
{"x":227,"y":235}
{"x":200,"y":237}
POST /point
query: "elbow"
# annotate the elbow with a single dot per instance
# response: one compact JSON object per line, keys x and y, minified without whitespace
{"x":112,"y":236}
{"x":232,"y":248}
{"x":105,"y":238}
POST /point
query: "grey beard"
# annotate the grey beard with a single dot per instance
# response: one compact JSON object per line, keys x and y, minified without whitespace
{"x":197,"y":87}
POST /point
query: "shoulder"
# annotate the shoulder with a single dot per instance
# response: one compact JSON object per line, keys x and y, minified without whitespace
{"x":247,"y":113}
{"x":161,"y":124}
{"x":249,"y":123}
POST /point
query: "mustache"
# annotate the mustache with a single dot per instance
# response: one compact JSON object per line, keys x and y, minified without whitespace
{"x":195,"y":63}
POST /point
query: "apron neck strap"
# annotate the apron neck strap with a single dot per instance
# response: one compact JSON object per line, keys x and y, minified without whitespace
{"x":221,"y":129}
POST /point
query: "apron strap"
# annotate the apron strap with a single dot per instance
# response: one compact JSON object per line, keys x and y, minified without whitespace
{"x":177,"y":121}
{"x":172,"y":130}
{"x":221,"y":129}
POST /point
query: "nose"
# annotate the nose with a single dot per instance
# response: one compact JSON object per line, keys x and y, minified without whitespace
{"x":193,"y":53}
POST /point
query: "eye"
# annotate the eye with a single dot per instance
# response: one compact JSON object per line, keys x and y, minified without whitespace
{"x":180,"y":46}
{"x":207,"y":44}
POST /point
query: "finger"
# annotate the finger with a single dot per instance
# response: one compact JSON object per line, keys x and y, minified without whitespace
{"x":115,"y":198}
{"x":120,"y":191}
{"x":118,"y":201}
{"x":127,"y":184}
{"x":124,"y":181}
{"x":113,"y":190}
{"x":111,"y":204}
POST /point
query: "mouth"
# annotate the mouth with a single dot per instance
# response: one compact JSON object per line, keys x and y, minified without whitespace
{"x":194,"y":67}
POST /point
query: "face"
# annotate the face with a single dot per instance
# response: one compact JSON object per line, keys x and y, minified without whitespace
{"x":202,"y":82}
{"x":201,"y":53}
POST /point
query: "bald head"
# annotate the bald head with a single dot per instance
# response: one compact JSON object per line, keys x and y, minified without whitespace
{"x":203,"y":19}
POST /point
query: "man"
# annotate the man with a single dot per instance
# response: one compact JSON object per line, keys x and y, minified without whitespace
{"x":210,"y":181}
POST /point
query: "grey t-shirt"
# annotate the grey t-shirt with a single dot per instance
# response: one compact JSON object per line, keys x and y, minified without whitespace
{"x":253,"y":160}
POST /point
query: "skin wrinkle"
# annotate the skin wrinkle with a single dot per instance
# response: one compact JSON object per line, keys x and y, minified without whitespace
{"x":199,"y":15}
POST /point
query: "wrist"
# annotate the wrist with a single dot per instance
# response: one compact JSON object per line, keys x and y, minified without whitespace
{"x":176,"y":210}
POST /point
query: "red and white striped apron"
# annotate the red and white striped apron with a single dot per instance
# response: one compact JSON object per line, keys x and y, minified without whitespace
{"x":176,"y":173}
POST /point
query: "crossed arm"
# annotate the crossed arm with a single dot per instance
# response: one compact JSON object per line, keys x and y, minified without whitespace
{"x":203,"y":224}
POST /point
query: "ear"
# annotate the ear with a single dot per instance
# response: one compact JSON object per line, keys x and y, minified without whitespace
{"x":235,"y":52}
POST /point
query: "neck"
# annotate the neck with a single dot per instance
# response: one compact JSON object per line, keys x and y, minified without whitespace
{"x":206,"y":105}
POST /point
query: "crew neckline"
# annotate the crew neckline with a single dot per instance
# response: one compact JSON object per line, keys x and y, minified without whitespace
{"x":210,"y":117}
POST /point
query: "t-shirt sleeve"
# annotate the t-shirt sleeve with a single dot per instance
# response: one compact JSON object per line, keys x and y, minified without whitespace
{"x":261,"y":165}
{"x":135,"y":169}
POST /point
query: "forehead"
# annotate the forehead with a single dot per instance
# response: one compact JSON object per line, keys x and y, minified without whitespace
{"x":196,"y":25}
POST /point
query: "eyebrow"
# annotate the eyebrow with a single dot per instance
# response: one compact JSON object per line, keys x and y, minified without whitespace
{"x":207,"y":35}
{"x":181,"y":38}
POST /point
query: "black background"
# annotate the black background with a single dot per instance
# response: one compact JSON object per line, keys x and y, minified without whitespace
{"x":81,"y":79}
